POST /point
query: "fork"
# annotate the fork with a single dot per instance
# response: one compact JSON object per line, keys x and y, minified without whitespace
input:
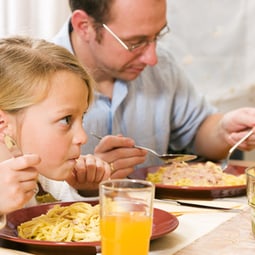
{"x":12,"y":146}
{"x":225,"y":163}
{"x":167,"y":158}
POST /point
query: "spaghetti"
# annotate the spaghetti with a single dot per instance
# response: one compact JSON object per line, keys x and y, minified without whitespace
{"x":200,"y":174}
{"x":78,"y":222}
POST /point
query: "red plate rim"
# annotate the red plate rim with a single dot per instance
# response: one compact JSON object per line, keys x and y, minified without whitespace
{"x":163,"y":223}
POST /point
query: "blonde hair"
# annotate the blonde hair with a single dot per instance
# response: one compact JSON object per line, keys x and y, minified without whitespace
{"x":26,"y":68}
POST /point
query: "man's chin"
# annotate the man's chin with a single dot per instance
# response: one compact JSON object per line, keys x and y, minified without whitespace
{"x":129,"y":76}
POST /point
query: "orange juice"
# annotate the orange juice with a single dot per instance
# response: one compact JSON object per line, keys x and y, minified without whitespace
{"x":125,"y":234}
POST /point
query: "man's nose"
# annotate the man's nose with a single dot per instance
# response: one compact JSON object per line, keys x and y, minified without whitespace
{"x":149,"y":56}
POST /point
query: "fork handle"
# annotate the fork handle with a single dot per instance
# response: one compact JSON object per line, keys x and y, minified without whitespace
{"x":241,"y":140}
{"x":147,"y":149}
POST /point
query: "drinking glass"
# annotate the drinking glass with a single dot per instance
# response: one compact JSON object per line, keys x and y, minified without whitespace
{"x":126,"y":215}
{"x":250,"y":177}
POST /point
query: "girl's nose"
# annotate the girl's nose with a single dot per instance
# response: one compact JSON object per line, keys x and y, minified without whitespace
{"x":80,"y":136}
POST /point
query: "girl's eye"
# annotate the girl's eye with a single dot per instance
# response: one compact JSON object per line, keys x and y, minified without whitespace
{"x":66,"y":120}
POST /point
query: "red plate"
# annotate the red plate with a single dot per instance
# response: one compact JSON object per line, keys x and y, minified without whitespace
{"x":204,"y":192}
{"x":163,"y":223}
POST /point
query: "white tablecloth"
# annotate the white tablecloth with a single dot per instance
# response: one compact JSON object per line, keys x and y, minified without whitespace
{"x":192,"y":226}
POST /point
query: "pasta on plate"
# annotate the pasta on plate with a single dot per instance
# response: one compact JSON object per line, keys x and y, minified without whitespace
{"x":78,"y":222}
{"x":200,"y":174}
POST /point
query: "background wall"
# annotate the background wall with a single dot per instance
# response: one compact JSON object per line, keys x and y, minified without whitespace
{"x":39,"y":18}
{"x":214,"y":41}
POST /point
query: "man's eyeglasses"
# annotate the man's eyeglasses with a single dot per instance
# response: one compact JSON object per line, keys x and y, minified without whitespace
{"x":141,"y":45}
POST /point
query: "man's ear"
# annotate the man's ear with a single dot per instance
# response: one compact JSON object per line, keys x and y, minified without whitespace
{"x":81,"y":23}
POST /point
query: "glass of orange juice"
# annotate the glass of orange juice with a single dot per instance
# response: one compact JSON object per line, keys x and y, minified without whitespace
{"x":126,"y":213}
{"x":250,"y":189}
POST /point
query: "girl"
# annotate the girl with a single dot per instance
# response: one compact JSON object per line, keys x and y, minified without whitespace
{"x":44,"y":93}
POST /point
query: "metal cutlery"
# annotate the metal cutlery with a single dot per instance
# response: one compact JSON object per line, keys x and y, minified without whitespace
{"x":167,"y":158}
{"x":14,"y":149}
{"x":225,"y":163}
{"x":198,"y":204}
{"x":12,"y":146}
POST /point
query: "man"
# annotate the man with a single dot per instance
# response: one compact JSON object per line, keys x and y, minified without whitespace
{"x":142,"y":97}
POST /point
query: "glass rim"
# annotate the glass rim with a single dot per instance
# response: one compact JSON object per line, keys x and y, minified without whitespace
{"x":248,"y":169}
{"x":109,"y":184}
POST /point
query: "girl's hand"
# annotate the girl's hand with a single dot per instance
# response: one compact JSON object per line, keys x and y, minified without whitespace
{"x":88,"y":173}
{"x":18,"y":182}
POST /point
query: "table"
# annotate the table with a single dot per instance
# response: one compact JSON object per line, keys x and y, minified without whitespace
{"x":204,"y":231}
{"x":194,"y":229}
{"x":210,"y":233}
{"x":233,"y":237}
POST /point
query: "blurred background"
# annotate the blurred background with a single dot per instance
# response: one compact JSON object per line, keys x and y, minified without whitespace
{"x":39,"y":18}
{"x":213,"y":40}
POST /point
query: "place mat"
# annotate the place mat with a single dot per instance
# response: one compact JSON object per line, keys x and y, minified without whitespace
{"x":234,"y":237}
